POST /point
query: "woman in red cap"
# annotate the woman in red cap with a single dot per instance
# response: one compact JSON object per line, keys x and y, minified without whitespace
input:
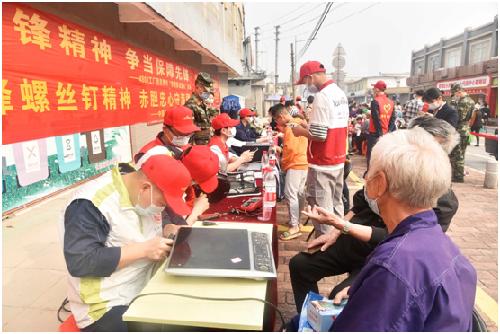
{"x":225,"y":128}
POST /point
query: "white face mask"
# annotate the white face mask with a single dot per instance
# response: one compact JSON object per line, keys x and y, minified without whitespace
{"x":312,"y":89}
{"x":232,"y":132}
{"x":434,"y":106}
{"x":151,"y":210}
{"x":372,"y":203}
{"x":180,"y":140}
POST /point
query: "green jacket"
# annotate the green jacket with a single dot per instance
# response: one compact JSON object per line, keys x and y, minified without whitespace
{"x":202,"y":118}
{"x":465,"y":106}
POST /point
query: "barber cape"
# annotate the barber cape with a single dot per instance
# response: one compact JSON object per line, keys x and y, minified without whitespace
{"x":91,"y":297}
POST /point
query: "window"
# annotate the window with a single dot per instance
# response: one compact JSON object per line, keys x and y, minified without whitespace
{"x":452,"y":57}
{"x":432,"y":63}
{"x":419,"y":67}
{"x":479,"y":51}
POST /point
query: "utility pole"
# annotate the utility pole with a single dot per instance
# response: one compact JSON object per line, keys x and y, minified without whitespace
{"x":292,"y":57}
{"x":257,"y":49}
{"x":276,"y":59}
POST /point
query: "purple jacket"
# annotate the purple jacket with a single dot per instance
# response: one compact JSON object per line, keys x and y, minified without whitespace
{"x":415,"y":280}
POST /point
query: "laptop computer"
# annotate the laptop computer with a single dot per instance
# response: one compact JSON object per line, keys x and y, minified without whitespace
{"x":221,"y":252}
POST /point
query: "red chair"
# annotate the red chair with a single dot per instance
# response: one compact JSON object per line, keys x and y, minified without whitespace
{"x":69,"y":325}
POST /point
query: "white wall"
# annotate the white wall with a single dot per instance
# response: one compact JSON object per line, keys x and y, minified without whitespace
{"x":216,"y":26}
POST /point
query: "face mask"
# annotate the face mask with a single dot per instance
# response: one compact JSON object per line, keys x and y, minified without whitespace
{"x":312,"y":89}
{"x":232,"y":132}
{"x":151,"y":210}
{"x":372,"y":203}
{"x":205,"y":95}
{"x":180,"y":140}
{"x":434,"y":106}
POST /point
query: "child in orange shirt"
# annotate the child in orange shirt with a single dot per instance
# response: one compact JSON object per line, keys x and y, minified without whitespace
{"x":294,"y":162}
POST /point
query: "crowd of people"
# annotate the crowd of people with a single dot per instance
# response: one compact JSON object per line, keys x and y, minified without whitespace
{"x":404,"y":273}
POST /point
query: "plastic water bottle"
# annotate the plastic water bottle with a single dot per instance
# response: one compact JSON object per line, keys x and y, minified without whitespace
{"x":264,"y":163}
{"x":268,"y":195}
{"x":272,"y":156}
{"x":269,"y":135}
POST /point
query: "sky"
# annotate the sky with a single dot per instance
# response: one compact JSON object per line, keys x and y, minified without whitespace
{"x":377,"y":36}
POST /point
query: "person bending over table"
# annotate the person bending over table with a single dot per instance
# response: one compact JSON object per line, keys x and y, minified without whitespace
{"x":416,"y":279}
{"x":113,"y":238}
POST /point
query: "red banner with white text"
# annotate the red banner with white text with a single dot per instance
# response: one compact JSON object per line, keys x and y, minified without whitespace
{"x":59,"y":78}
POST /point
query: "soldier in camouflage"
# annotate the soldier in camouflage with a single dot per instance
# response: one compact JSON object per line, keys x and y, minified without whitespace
{"x":464,"y":105}
{"x":201,"y":112}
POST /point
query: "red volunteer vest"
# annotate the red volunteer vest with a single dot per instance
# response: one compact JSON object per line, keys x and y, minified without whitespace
{"x":216,"y":140}
{"x":385,"y":110}
{"x":333,"y":150}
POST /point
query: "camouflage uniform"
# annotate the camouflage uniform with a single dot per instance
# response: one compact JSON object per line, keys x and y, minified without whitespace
{"x":464,"y":106}
{"x":201,"y":113}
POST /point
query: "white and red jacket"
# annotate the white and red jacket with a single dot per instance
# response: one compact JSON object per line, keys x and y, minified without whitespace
{"x":329,"y":120}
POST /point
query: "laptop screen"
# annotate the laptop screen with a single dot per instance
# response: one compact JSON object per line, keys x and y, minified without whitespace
{"x":205,"y":248}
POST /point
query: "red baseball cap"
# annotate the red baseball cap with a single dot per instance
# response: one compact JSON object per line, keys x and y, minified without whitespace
{"x":310,"y":68}
{"x":246,"y":113}
{"x":203,"y":164}
{"x":181,"y":119}
{"x":224,"y":121}
{"x":171,"y":177}
{"x":380,"y":85}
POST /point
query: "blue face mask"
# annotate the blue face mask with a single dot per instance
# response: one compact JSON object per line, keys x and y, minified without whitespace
{"x":372,"y":203}
{"x":151,"y":210}
{"x":205,"y":96}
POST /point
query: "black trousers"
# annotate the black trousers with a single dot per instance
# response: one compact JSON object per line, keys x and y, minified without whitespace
{"x":111,"y":321}
{"x":346,"y":255}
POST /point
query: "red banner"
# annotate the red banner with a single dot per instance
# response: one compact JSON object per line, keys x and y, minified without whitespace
{"x":59,"y":78}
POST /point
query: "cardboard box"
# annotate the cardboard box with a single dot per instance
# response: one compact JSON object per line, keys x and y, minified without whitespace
{"x":321,"y":314}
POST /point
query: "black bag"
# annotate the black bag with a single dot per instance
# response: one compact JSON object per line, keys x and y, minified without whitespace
{"x":219,"y":193}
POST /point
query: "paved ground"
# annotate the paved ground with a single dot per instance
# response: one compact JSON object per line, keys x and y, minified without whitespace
{"x":474,"y":229}
{"x":34,"y":283}
{"x":476,"y":156}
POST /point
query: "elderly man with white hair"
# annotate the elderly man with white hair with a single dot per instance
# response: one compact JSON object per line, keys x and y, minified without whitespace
{"x":416,"y":279}
{"x":362,"y":230}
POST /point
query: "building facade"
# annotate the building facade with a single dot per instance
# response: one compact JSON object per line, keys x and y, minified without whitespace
{"x":470,"y":58}
{"x":360,"y":89}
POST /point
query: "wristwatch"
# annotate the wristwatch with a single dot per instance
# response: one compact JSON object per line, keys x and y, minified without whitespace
{"x":346,"y":228}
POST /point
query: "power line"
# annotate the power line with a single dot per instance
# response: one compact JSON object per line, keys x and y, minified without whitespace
{"x":315,"y":31}
{"x":296,"y":17}
{"x":301,"y":25}
{"x":352,"y":14}
{"x":311,"y":20}
{"x":293,"y":11}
